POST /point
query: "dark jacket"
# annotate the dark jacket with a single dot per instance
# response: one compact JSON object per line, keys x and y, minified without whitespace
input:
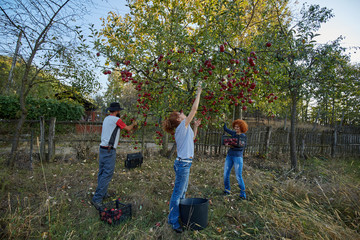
{"x":236,"y":151}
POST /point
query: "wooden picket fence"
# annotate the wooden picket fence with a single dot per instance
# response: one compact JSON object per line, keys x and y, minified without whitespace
{"x":263,"y":140}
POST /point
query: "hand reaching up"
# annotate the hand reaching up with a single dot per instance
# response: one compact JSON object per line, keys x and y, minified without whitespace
{"x":197,"y":122}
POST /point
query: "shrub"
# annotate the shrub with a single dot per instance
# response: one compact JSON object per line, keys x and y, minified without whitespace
{"x":63,"y":110}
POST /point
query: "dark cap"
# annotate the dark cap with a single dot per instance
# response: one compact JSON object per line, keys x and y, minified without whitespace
{"x":114,"y":106}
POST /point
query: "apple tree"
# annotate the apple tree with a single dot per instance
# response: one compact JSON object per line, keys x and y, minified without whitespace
{"x":164,"y":48}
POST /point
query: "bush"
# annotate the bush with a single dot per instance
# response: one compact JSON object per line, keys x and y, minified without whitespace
{"x":63,"y":110}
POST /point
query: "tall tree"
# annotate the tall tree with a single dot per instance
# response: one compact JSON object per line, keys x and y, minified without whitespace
{"x":300,"y":60}
{"x":163,"y":48}
{"x":50,"y":42}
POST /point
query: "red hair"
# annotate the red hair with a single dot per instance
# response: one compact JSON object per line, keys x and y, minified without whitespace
{"x":171,"y":123}
{"x":242,"y":124}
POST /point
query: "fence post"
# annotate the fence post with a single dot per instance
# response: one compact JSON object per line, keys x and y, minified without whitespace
{"x":334,"y":143}
{"x":31,"y":147}
{"x":267,"y":139}
{"x":51,"y":144}
{"x":322,"y":143}
{"x":302,"y":147}
{"x":42,"y":138}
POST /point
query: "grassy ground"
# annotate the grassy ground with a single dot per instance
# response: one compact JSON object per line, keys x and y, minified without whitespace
{"x":321,"y":201}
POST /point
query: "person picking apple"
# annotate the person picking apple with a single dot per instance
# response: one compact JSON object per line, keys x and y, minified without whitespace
{"x":235,"y":156}
{"x":179,"y":124}
{"x":110,"y":135}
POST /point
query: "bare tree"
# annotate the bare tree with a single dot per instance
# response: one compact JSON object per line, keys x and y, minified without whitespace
{"x":51,"y":42}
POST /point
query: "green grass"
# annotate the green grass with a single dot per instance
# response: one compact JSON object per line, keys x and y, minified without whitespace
{"x":321,"y":201}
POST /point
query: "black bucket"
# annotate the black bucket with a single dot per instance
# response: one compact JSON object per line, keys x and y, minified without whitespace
{"x":194,"y":212}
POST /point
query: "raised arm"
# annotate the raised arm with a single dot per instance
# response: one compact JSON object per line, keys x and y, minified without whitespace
{"x":130,"y":127}
{"x":228,"y":130}
{"x":194,"y":107}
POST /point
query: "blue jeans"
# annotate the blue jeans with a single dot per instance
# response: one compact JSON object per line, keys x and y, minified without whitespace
{"x":107,"y":161}
{"x":182,"y":172}
{"x":238,"y":163}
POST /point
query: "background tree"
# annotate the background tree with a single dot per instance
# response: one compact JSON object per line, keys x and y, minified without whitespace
{"x":300,"y":62}
{"x":336,"y":95}
{"x":50,"y":43}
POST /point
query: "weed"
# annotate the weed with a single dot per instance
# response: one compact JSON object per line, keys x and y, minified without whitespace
{"x":319,"y":202}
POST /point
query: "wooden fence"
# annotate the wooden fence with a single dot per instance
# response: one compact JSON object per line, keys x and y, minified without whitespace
{"x":261,"y":139}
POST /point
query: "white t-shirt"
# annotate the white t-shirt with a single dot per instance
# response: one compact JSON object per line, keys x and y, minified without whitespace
{"x":108,"y":126}
{"x":184,"y":137}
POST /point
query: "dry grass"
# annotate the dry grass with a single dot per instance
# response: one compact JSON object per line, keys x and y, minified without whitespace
{"x":322,"y":201}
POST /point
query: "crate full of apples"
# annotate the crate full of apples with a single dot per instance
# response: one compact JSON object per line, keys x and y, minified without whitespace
{"x":229,"y":141}
{"x":115,"y":212}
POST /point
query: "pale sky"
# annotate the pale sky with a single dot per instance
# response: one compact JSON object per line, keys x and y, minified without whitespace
{"x":346,"y":23}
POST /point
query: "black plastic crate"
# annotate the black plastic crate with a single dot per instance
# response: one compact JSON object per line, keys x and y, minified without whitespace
{"x":239,"y":141}
{"x":134,"y":160}
{"x":115,"y":212}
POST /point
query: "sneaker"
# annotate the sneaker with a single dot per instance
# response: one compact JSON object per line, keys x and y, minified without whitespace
{"x":107,"y":195}
{"x":243,"y":198}
{"x":98,"y":205}
{"x":226,"y":193}
{"x":178,"y":230}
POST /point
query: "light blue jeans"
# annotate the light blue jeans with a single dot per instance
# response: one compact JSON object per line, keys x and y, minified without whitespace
{"x":107,"y":161}
{"x":182,"y":172}
{"x":237,"y":162}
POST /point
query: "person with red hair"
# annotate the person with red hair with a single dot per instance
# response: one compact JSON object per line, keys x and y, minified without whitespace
{"x":179,"y":124}
{"x":235,"y":156}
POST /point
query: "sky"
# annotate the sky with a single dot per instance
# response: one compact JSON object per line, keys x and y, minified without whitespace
{"x":346,"y":22}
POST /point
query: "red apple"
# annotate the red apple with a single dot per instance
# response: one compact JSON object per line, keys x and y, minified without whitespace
{"x":222,"y":48}
{"x":98,"y":54}
{"x":244,"y":108}
{"x":268,"y":44}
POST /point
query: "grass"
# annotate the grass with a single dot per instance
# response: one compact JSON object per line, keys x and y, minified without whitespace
{"x":321,"y":201}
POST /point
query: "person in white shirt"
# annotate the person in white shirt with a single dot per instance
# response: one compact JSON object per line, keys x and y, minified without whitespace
{"x":179,"y":124}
